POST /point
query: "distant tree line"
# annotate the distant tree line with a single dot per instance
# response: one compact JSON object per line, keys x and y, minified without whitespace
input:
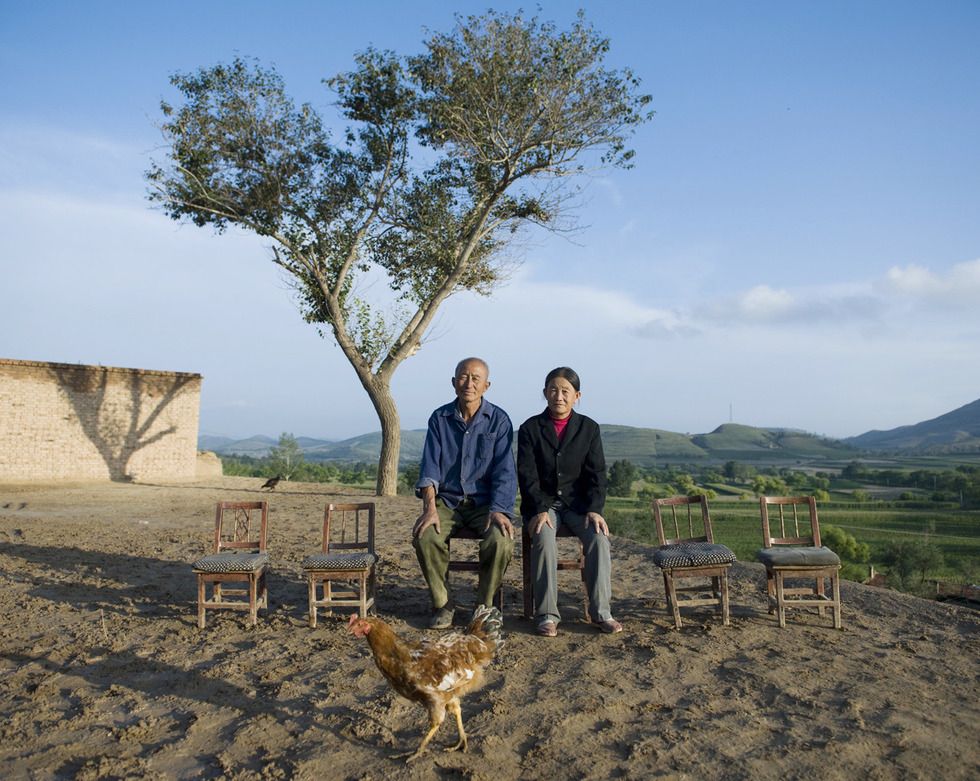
{"x":948,"y":485}
{"x":286,"y":460}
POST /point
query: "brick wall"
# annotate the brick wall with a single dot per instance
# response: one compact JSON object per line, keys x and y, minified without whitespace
{"x":67,"y":421}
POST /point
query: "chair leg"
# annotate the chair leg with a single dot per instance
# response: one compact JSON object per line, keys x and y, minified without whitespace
{"x":671,"y":591}
{"x":372,"y":592}
{"x":770,"y":590}
{"x":724,"y":599}
{"x":311,"y":590}
{"x":201,"y":597}
{"x":363,"y":581}
{"x":253,"y":600}
{"x":835,"y":586}
{"x":780,"y":600}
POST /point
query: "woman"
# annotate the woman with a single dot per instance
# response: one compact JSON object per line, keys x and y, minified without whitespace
{"x":562,"y":476}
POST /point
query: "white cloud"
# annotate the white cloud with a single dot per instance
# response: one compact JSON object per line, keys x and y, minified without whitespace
{"x":762,"y":303}
{"x":959,"y":286}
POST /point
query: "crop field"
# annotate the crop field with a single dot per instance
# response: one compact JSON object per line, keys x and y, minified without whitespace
{"x":737,"y":523}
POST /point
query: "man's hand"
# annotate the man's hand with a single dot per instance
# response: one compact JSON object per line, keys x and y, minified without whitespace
{"x":429,"y":517}
{"x":537,"y":522}
{"x":502,"y":521}
{"x":598,"y":521}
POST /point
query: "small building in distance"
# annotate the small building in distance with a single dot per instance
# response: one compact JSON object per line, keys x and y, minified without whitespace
{"x":63,"y":421}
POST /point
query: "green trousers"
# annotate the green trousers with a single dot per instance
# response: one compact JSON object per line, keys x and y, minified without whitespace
{"x":432,"y":550}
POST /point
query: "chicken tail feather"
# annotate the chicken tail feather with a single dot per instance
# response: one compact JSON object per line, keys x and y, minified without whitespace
{"x":487,"y":623}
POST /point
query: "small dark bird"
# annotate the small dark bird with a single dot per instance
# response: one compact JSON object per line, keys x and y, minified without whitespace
{"x":272,"y":482}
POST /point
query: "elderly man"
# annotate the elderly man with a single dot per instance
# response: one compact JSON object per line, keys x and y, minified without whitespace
{"x":467,"y":478}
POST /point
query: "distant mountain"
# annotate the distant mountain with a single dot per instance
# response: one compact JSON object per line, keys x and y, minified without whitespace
{"x":257,"y":446}
{"x":641,"y":446}
{"x":214,"y":443}
{"x":368,"y":448}
{"x":363,"y":448}
{"x":955,"y":432}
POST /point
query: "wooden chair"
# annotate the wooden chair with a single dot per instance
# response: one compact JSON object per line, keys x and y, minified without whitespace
{"x":688,"y":550}
{"x":347,"y":555}
{"x":563,"y":564}
{"x":470,"y":564}
{"x":237,"y":566}
{"x":796,"y":552}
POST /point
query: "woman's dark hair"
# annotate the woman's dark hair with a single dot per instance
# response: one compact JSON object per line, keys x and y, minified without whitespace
{"x":566,"y":374}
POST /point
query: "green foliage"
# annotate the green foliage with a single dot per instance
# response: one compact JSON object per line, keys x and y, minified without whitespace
{"x":242,"y":467}
{"x":506,"y":110}
{"x":846,"y":546}
{"x":286,"y":458}
{"x":621,"y":476}
{"x":658,"y":491}
{"x":709,"y":493}
{"x":409,"y":477}
{"x":765,"y":485}
{"x":909,"y":561}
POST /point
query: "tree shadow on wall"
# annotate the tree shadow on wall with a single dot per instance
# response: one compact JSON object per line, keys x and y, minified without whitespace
{"x":118,"y":417}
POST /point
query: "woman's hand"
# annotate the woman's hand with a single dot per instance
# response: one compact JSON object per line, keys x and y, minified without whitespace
{"x":537,"y":522}
{"x":598,"y":521}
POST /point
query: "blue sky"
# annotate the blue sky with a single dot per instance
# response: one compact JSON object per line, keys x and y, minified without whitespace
{"x":798,"y":244}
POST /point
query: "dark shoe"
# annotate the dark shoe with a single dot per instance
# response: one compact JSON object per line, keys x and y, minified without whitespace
{"x":547,"y":629}
{"x":442,"y":618}
{"x":610,"y":627}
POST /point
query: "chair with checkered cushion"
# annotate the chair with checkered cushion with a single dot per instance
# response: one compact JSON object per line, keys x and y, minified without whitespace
{"x":691,"y":552}
{"x":795,"y":552}
{"x":348,"y":556}
{"x":236,"y":568}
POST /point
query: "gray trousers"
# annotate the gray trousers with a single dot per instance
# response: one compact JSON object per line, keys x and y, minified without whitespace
{"x":544,"y":567}
{"x":432,"y":551}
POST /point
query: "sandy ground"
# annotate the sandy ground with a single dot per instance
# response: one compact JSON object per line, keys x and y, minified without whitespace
{"x":104,"y":673}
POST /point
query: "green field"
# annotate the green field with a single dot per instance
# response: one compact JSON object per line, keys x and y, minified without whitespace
{"x":737,"y":524}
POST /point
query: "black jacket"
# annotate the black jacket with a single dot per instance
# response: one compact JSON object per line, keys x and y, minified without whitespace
{"x":573,"y":472}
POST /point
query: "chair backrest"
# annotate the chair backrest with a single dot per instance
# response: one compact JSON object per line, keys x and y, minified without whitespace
{"x":792,"y":529}
{"x":234,"y":528}
{"x":348,"y":527}
{"x":685,"y":526}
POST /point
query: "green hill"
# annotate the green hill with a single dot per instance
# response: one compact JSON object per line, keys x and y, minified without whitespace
{"x":647,"y":446}
{"x":641,"y":446}
{"x":955,"y":432}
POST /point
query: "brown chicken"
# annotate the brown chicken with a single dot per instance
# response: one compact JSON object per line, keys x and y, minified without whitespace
{"x":435,"y":672}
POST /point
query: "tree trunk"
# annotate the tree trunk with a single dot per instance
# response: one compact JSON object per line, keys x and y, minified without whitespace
{"x":391,"y":437}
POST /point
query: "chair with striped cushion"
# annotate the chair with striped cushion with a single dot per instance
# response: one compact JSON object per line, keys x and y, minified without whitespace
{"x":348,"y":556}
{"x":691,"y":552}
{"x":793,"y":550}
{"x":236,"y":568}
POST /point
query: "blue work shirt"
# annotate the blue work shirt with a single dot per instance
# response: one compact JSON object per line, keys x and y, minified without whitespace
{"x":470,"y":462}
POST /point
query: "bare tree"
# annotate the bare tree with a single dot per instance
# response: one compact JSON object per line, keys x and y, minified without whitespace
{"x":449,"y":155}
